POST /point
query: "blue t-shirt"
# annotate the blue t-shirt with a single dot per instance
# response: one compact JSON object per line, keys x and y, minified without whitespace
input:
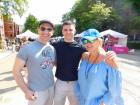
{"x":39,"y":60}
{"x":98,"y":83}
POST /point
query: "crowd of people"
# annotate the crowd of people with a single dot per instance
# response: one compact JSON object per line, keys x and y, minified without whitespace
{"x":86,"y":74}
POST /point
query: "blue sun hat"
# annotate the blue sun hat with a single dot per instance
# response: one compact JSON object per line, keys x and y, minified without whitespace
{"x":89,"y":35}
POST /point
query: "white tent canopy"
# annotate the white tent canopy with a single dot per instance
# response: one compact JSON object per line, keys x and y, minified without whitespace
{"x":27,"y":34}
{"x":78,"y":35}
{"x":113,"y":33}
{"x":122,"y":38}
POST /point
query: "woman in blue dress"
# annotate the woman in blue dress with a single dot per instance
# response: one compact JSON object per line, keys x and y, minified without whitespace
{"x":98,"y":83}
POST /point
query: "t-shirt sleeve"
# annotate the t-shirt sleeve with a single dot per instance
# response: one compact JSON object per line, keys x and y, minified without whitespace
{"x":55,"y":58}
{"x":22,"y":54}
{"x":55,"y":44}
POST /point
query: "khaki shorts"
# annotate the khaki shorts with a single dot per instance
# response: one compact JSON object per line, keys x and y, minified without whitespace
{"x":43,"y":97}
{"x":63,"y":90}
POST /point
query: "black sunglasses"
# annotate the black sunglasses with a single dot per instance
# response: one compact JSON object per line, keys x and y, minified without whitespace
{"x":46,"y":29}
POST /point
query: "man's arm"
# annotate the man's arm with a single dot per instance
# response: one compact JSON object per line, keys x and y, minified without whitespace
{"x":19,"y":64}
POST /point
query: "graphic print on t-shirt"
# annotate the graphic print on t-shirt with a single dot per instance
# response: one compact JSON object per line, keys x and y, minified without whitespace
{"x":48,"y":59}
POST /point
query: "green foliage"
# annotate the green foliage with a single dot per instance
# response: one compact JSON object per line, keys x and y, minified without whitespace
{"x":31,"y":24}
{"x":133,"y":44}
{"x":66,"y":16}
{"x":7,"y":17}
{"x":98,"y":14}
{"x":58,"y":31}
{"x":136,"y":22}
{"x":132,"y":26}
{"x":135,"y":4}
{"x":10,"y":7}
{"x":76,"y":12}
{"x":113,"y":22}
{"x":81,"y":6}
{"x":91,"y":14}
{"x":106,"y":14}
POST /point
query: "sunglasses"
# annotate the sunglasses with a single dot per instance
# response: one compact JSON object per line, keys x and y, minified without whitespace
{"x":85,"y":41}
{"x":46,"y":29}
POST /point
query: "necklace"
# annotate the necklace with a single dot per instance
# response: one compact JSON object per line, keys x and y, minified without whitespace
{"x":92,"y":64}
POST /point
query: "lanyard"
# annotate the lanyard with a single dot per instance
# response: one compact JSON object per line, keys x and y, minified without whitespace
{"x":88,"y":68}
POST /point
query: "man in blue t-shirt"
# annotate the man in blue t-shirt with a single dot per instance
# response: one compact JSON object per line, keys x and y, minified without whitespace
{"x":39,"y":57}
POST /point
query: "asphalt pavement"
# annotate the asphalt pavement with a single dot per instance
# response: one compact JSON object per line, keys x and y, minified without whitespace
{"x":10,"y":94}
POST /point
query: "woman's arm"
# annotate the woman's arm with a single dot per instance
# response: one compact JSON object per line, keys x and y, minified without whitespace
{"x":114,"y":87}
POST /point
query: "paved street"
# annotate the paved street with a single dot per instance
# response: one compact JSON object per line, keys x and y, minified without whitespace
{"x":10,"y":94}
{"x":130,"y":69}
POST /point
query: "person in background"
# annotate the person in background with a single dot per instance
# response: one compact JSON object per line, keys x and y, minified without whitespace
{"x":13,"y":46}
{"x":69,"y":53}
{"x":98,"y":83}
{"x":24,"y":40}
{"x":39,"y":57}
{"x":30,"y":39}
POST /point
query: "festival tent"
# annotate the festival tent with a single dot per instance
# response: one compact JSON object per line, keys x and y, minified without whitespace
{"x":122,"y":38}
{"x":78,"y":35}
{"x":116,"y":40}
{"x":27,"y":34}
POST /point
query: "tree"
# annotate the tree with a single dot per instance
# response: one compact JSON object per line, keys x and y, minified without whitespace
{"x":78,"y":10}
{"x":135,"y":4}
{"x":95,"y":15}
{"x":98,"y":14}
{"x":104,"y":14}
{"x":31,"y":24}
{"x":134,"y":26}
{"x":58,"y":29}
{"x":11,"y":7}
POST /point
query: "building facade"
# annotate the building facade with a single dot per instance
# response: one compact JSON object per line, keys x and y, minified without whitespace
{"x":11,"y":29}
{"x":8,"y":30}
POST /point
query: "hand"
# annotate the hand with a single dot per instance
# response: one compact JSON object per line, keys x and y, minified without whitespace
{"x":85,"y":55}
{"x":102,"y":103}
{"x":110,"y":55}
{"x":111,"y":59}
{"x":30,"y":95}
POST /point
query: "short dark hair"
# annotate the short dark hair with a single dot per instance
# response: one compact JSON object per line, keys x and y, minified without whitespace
{"x":30,"y":39}
{"x":46,"y":21}
{"x":68,"y":22}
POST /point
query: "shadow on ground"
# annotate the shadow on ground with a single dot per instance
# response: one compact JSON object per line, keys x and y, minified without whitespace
{"x":7,"y":89}
{"x":9,"y":72}
{"x":8,"y":78}
{"x":130,"y":59}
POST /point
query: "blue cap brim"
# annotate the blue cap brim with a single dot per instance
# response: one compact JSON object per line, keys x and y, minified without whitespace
{"x":90,"y":38}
